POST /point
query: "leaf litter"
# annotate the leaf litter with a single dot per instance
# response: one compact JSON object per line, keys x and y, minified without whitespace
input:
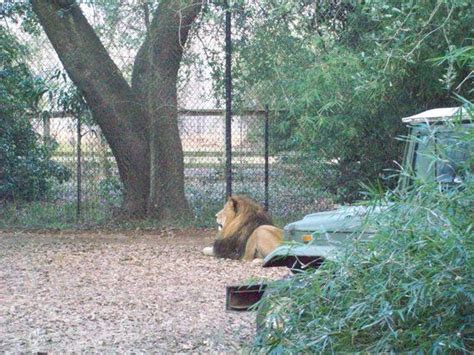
{"x":120,"y":291}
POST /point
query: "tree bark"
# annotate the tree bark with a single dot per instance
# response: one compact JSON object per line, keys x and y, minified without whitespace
{"x":154,"y":79}
{"x":139,"y":122}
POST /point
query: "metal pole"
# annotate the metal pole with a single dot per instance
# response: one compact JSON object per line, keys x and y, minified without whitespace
{"x":46,"y":128}
{"x":78,"y":169}
{"x":266,"y":133}
{"x":228,"y":99}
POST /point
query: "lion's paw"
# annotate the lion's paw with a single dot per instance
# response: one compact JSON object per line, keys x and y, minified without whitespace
{"x":257,"y":261}
{"x":208,"y":251}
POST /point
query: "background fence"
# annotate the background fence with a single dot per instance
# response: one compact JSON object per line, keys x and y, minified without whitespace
{"x":93,"y":191}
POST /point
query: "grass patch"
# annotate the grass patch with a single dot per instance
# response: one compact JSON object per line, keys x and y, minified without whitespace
{"x":50,"y":215}
{"x":38,"y":215}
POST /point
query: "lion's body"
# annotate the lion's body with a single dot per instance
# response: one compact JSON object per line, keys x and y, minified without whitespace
{"x":262,"y":242}
{"x":247,"y":231}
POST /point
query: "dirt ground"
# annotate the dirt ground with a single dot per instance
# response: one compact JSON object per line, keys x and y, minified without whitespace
{"x":120,"y":291}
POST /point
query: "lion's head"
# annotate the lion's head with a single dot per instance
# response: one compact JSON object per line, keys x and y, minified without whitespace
{"x":225,"y":214}
{"x":236,"y":222}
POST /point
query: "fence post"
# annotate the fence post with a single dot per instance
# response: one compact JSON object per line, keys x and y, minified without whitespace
{"x":266,"y":133}
{"x":228,"y":99}
{"x":46,"y":128}
{"x":78,"y":169}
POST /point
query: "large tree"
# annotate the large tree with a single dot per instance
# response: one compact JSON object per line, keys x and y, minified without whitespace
{"x":139,"y":120}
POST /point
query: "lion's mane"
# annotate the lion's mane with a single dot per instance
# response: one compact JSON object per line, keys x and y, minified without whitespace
{"x":233,"y":237}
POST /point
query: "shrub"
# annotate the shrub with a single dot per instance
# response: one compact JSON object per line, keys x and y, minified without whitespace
{"x":409,"y":289}
{"x":26,"y":168}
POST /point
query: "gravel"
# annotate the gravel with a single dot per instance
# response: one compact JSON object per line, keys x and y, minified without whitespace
{"x":120,"y":292}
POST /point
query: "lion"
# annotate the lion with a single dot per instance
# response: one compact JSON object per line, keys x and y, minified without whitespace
{"x":246,"y":231}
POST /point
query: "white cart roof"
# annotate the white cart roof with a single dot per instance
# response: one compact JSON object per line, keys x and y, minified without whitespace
{"x":437,"y":114}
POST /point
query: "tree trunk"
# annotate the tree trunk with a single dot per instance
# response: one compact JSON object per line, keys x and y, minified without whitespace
{"x":139,"y":122}
{"x":154,"y":79}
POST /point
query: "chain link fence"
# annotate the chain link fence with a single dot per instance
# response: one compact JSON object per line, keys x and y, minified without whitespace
{"x":93,"y":191}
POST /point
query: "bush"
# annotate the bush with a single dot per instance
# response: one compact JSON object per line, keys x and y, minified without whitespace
{"x":26,"y":168}
{"x":409,"y":289}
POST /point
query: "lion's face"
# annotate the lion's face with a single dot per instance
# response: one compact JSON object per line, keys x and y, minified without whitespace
{"x":225,"y":215}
